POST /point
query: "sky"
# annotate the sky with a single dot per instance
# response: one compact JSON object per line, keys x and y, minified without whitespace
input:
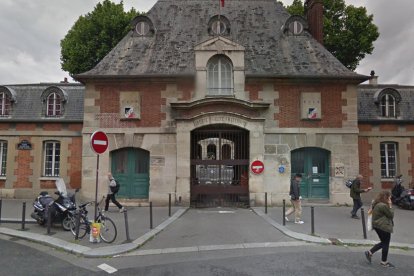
{"x":31,"y":31}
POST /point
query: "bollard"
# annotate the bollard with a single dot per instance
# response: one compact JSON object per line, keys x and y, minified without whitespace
{"x":150,"y":214}
{"x":49,"y":220}
{"x":169,"y":205}
{"x":364,"y":228}
{"x":284,"y":212}
{"x":78,"y":215}
{"x":312,"y":220}
{"x":265,"y":203}
{"x":23,"y":215}
{"x":126,"y":225}
{"x":1,"y":202}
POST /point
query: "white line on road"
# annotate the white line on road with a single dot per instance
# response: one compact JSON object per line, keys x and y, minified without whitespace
{"x":107,"y":268}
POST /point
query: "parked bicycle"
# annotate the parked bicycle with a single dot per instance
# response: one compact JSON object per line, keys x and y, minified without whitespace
{"x":108,"y":231}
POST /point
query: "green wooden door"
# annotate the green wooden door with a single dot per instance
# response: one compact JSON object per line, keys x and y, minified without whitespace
{"x":130,"y":166}
{"x":313,"y":164}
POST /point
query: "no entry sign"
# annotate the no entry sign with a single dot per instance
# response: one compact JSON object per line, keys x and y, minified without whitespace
{"x":99,"y":142}
{"x":257,"y":167}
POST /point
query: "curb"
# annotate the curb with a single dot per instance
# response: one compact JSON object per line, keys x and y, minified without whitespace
{"x":107,"y":251}
{"x":309,"y":238}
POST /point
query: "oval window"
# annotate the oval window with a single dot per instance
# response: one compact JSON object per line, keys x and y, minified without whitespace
{"x":218,"y":27}
{"x":142,"y":28}
{"x":296,"y":28}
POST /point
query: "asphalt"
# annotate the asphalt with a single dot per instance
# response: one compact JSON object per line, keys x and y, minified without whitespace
{"x":195,"y":230}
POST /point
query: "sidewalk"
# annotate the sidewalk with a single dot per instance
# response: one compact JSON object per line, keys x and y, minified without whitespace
{"x":208,"y":229}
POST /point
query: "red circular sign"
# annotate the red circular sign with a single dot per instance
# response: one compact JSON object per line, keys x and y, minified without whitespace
{"x":99,"y":142}
{"x":257,"y":167}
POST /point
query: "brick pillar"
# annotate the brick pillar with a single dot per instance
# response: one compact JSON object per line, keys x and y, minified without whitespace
{"x":314,"y":15}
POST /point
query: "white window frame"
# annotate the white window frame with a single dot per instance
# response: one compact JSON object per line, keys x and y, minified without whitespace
{"x":220,"y":80}
{"x":5,"y":104}
{"x":386,"y":105}
{"x":3,"y":158}
{"x":385,"y":149}
{"x":52,"y":109}
{"x":51,"y":160}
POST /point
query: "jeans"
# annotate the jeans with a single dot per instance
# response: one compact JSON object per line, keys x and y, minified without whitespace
{"x":385,"y":238}
{"x":357,"y":205}
{"x":112,"y":198}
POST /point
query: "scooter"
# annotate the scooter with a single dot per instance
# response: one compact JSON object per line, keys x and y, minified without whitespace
{"x":402,"y":197}
{"x":62,"y":209}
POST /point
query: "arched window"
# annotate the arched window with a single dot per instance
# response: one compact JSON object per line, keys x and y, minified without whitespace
{"x":54,"y":105}
{"x":211,"y":151}
{"x":219,"y":76}
{"x":388,"y":106}
{"x":5,"y":104}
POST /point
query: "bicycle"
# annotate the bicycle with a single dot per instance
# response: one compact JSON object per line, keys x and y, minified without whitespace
{"x":108,"y":231}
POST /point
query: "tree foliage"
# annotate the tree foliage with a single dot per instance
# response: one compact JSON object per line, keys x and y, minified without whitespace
{"x":349,"y":32}
{"x":93,"y":35}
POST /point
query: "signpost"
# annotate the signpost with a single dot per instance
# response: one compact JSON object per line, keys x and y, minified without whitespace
{"x":99,"y":144}
{"x":257,"y":167}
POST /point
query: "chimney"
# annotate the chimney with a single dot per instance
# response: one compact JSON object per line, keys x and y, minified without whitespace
{"x":374,"y":79}
{"x":314,"y":15}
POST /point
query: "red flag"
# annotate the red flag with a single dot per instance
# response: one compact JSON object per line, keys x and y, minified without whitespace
{"x":222,"y":3}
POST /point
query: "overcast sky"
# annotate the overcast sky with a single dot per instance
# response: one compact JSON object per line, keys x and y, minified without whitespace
{"x":31,"y":30}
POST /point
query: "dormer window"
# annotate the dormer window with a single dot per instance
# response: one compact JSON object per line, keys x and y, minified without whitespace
{"x":5,"y":104}
{"x":54,"y":105}
{"x":295,"y":25}
{"x":219,"y":76}
{"x":387,"y":106}
{"x":219,"y":25}
{"x":142,"y":26}
{"x":54,"y":99}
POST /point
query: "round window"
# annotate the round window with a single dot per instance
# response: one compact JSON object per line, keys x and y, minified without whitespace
{"x":142,"y":28}
{"x":296,"y":28}
{"x":218,"y":27}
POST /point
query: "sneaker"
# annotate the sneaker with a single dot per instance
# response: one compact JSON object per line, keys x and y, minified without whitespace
{"x":355,"y":217}
{"x":286,"y":219}
{"x":299,"y":222}
{"x":368,"y":256}
{"x":122,"y":210}
{"x":387,"y":264}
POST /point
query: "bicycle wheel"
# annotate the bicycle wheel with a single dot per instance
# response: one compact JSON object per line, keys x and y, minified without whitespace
{"x":108,"y":229}
{"x":83,"y":227}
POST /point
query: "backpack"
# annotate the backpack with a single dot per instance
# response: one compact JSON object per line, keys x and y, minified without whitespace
{"x":115,"y":189}
{"x":349,"y":183}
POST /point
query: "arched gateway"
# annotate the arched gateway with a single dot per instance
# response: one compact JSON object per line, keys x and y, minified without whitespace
{"x":219,"y":166}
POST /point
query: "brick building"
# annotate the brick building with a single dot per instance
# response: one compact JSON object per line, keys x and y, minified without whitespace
{"x":195,"y":93}
{"x":40,"y":137}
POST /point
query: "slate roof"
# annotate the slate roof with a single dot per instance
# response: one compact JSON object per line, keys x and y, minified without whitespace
{"x":369,"y":111}
{"x":28,"y":105}
{"x":256,"y":25}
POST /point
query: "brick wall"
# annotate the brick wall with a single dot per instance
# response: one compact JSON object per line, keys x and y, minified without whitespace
{"x":23,"y":170}
{"x":365,"y":160}
{"x":75,"y":162}
{"x":290,"y":109}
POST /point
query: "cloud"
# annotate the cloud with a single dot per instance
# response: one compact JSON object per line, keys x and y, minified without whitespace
{"x":30,"y":34}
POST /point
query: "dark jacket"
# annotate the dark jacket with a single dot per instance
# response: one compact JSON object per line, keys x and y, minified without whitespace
{"x":356,"y":190}
{"x":382,"y":217}
{"x":294,"y":189}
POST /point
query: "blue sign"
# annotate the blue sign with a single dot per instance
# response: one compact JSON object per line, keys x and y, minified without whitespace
{"x":281,"y":169}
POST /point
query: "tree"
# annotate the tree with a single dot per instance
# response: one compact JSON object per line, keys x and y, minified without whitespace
{"x":349,"y":33}
{"x":94,"y":35}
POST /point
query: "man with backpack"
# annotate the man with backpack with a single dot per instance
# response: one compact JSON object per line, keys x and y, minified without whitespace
{"x":355,"y":194}
{"x":113,"y":188}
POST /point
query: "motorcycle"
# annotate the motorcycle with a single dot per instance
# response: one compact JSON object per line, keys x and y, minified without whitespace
{"x":62,"y":209}
{"x":400,"y":196}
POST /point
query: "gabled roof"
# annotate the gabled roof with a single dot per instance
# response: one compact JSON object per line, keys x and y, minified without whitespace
{"x":256,"y":25}
{"x":368,"y":102}
{"x":28,"y":105}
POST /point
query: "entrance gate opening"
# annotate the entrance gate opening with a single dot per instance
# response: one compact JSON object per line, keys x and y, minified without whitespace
{"x":219,"y":166}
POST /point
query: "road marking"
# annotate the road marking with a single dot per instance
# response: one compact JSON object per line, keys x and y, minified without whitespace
{"x":216,"y":212}
{"x":107,"y":268}
{"x":99,"y":142}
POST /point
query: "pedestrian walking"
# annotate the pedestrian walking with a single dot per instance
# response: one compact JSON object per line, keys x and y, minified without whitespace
{"x":111,"y":194}
{"x":355,"y":193}
{"x":295,"y":199}
{"x":383,"y":224}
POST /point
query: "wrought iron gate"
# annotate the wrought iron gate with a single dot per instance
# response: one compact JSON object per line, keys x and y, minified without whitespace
{"x":219,"y":166}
